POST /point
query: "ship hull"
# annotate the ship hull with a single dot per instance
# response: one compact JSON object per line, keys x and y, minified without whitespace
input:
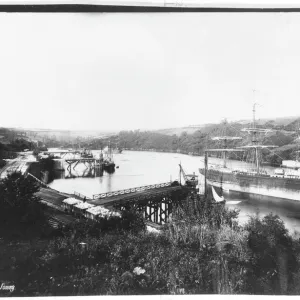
{"x":254,"y":185}
{"x":109,"y":167}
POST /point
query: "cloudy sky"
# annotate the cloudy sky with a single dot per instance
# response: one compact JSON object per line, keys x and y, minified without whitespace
{"x":147,"y":71}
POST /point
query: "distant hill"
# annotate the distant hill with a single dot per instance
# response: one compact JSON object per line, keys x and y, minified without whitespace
{"x":180,"y":130}
{"x":196,"y":139}
{"x":282,"y":121}
{"x":286,"y":123}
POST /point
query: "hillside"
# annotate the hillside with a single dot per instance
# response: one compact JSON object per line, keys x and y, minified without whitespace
{"x":196,"y":139}
{"x":179,"y":130}
{"x":288,"y":123}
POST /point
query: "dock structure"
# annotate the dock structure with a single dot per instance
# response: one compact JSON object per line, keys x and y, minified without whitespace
{"x":87,"y":173}
{"x":62,"y":153}
{"x":90,"y":162}
{"x":155,"y":202}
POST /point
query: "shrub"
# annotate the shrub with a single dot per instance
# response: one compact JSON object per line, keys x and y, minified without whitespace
{"x":273,"y":256}
{"x":21,"y":212}
{"x":2,"y":163}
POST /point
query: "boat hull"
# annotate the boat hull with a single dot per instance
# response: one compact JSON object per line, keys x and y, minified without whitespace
{"x":109,"y":167}
{"x":262,"y":186}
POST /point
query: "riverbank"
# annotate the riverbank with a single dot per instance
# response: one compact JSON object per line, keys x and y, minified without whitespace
{"x":268,"y":164}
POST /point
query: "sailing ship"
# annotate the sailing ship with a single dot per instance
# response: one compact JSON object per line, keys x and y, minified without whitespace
{"x":252,"y":181}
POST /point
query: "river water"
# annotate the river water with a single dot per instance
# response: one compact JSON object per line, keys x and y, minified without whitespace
{"x":138,"y":168}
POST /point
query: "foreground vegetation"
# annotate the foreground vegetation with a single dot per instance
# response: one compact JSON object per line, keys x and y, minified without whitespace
{"x":202,"y":250}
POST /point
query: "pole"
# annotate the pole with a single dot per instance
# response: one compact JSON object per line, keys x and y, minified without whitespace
{"x":224,"y":159}
{"x":254,"y":115}
{"x":180,"y":173}
{"x":297,"y":153}
{"x":205,"y":174}
{"x":257,"y":160}
{"x":254,"y":140}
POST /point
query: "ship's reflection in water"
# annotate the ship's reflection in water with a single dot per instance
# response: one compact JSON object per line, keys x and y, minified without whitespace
{"x":144,"y":168}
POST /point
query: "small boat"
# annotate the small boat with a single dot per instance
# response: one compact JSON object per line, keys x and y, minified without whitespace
{"x":217,"y":198}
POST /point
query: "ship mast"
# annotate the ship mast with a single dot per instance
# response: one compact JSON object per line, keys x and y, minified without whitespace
{"x":109,"y":150}
{"x":298,"y":130}
{"x":225,"y":139}
{"x":254,"y":142}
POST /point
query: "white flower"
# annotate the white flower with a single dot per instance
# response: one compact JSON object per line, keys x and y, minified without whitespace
{"x":138,"y":270}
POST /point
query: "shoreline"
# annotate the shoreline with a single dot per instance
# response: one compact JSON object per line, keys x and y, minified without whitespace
{"x":199,"y":155}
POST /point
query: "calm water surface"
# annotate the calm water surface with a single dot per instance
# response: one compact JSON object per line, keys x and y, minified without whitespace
{"x":137,"y":168}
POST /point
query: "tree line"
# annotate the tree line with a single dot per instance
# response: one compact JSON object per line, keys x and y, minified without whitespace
{"x":286,"y":142}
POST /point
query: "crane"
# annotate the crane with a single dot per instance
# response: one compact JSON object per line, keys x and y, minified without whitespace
{"x":190,"y":180}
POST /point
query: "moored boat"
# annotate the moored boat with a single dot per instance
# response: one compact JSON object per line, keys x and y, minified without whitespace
{"x":108,"y":162}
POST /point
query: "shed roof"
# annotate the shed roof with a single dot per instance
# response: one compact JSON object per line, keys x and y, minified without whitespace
{"x":72,"y":201}
{"x":84,"y":205}
{"x":97,"y":210}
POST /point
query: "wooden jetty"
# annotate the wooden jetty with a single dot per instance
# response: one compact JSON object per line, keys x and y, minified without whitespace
{"x":108,"y":199}
{"x":155,"y":202}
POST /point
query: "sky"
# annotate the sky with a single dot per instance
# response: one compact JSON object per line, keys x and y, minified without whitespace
{"x":146,"y":71}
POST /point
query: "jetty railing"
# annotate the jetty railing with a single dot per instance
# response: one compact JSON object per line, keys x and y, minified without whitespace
{"x":80,"y":196}
{"x":132,"y":190}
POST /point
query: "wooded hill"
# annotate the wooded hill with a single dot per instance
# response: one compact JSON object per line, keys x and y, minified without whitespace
{"x":284,"y":133}
{"x":285,"y":137}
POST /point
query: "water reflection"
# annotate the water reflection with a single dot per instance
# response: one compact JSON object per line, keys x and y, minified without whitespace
{"x":79,"y":171}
